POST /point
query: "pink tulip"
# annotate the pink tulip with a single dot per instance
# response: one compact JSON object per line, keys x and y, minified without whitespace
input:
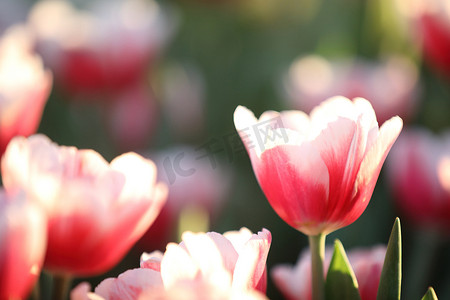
{"x":23,"y":238}
{"x":390,"y":85}
{"x":96,"y":211}
{"x":103,"y":48}
{"x":319,"y":171}
{"x":419,"y":176}
{"x":295,"y":281}
{"x":430,"y":26}
{"x":228,"y":264}
{"x":24,"y":86}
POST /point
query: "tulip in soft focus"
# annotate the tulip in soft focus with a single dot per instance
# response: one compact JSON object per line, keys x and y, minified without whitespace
{"x":194,"y":185}
{"x":419,"y":176}
{"x":390,"y":85}
{"x":96,"y":211}
{"x":24,"y":86}
{"x":230,"y":264}
{"x":23,"y":238}
{"x":318,"y":171}
{"x":295,"y":281}
{"x":431,"y":29}
{"x":132,"y":117}
{"x":103,"y":48}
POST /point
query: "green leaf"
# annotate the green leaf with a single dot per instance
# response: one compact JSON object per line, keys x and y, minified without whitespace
{"x":430,"y":295}
{"x":341,"y":281}
{"x":391,"y":275}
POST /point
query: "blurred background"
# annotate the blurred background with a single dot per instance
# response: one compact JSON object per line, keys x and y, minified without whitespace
{"x":163,"y":78}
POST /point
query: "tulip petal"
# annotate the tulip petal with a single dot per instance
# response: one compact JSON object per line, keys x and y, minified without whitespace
{"x":177,"y":265}
{"x":371,"y":165}
{"x":129,"y":284}
{"x":295,"y":180}
{"x":249,"y":272}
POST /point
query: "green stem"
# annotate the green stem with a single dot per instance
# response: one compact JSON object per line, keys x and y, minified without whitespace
{"x":317,"y":248}
{"x":61,"y":286}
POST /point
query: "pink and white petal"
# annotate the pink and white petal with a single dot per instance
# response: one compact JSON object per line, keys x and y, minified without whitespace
{"x":129,"y":285}
{"x":244,"y":121}
{"x":227,"y":251}
{"x":151,"y":260}
{"x":268,"y":115}
{"x":153,"y":206}
{"x":243,"y":118}
{"x":371,"y":165}
{"x":249,"y":272}
{"x":83,"y":292}
{"x":211,"y":252}
{"x":33,"y":164}
{"x":289,"y":175}
{"x":297,"y":121}
{"x":140,"y":175}
{"x":238,"y":238}
{"x":177,"y":265}
{"x":331,"y":109}
{"x":364,"y":108}
{"x":82,"y":163}
{"x":342,"y":147}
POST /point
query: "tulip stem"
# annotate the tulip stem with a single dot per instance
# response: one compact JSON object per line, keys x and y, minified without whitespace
{"x":317,"y":248}
{"x":61,"y":286}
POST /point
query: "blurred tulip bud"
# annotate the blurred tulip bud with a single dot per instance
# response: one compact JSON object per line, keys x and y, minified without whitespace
{"x":104,"y":48}
{"x":419,"y":176}
{"x":390,"y":85}
{"x":24,"y":85}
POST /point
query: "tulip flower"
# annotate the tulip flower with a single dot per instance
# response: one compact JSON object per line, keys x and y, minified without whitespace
{"x":419,"y":176}
{"x":96,"y":211}
{"x":23,"y":238}
{"x":24,"y":85}
{"x":103,"y":48}
{"x":230,"y":264}
{"x":390,"y":84}
{"x":430,"y":24}
{"x":295,"y":281}
{"x":319,"y":171}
